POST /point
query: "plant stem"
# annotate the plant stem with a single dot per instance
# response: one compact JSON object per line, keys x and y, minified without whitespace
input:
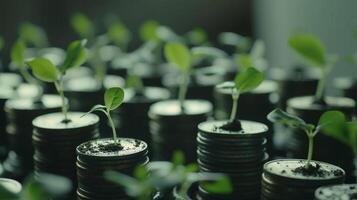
{"x":311,"y":148}
{"x":183,"y":90}
{"x":184,"y":187}
{"x":235,"y":97}
{"x":59,"y":87}
{"x":113,"y":127}
{"x":321,"y":87}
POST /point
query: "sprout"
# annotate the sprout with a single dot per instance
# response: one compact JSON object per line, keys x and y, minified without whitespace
{"x":179,"y":55}
{"x":148,"y":31}
{"x":328,"y":120}
{"x":113,"y":98}
{"x":33,"y":34}
{"x":245,"y":81}
{"x":46,"y":71}
{"x":313,"y":51}
{"x":83,"y":26}
{"x":166,"y":175}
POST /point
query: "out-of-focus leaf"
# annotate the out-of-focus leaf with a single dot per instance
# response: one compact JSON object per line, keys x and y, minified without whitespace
{"x":18,"y":53}
{"x":221,"y":186}
{"x":82,"y":25}
{"x":248,"y":79}
{"x":197,"y":36}
{"x":33,"y":34}
{"x":279,"y":116}
{"x":76,"y":55}
{"x":148,"y":31}
{"x":179,"y":55}
{"x":43,"y":69}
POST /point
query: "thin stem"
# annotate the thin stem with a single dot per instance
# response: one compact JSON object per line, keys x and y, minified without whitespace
{"x":113,"y":126}
{"x":311,"y":148}
{"x":184,"y":187}
{"x":183,"y":90}
{"x":321,"y":87}
{"x":59,"y":88}
{"x":235,"y":97}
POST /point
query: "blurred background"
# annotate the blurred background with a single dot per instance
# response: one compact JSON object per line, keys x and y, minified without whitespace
{"x":274,"y":20}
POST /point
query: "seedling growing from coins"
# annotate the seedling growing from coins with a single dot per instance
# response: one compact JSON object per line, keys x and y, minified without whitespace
{"x":46,"y":71}
{"x":113,"y":98}
{"x":328,"y":120}
{"x":312,"y":50}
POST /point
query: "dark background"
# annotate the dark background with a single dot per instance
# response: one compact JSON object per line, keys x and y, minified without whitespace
{"x":182,"y":15}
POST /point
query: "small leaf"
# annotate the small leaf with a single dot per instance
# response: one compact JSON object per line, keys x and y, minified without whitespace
{"x":141,"y":173}
{"x":309,"y":47}
{"x":18,"y":53}
{"x":178,"y":158}
{"x":148,"y":31}
{"x":113,"y":98}
{"x":332,"y":121}
{"x":248,"y":80}
{"x":279,"y":116}
{"x":33,"y":34}
{"x":221,"y":186}
{"x":95,"y":108}
{"x":43,"y":69}
{"x":82,"y":25}
{"x":119,"y":34}
{"x":197,"y":36}
{"x":178,"y":55}
{"x":76,"y":55}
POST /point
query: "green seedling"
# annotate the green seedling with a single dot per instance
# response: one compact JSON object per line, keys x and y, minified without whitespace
{"x":312,"y":50}
{"x":241,"y":43}
{"x":18,"y":58}
{"x":33,"y":35}
{"x":165,"y":175}
{"x":328,"y":120}
{"x":113,"y":98}
{"x":254,"y":58}
{"x":179,"y":56}
{"x":42,"y":187}
{"x":83,"y":26}
{"x":119,"y":34}
{"x":246,"y":81}
{"x":148,"y":31}
{"x":46,"y":71}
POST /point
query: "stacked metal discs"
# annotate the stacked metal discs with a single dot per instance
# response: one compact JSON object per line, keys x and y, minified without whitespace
{"x":20,"y":113}
{"x":240,"y":155}
{"x":297,"y":145}
{"x":171,"y":129}
{"x":55,"y":142}
{"x":131,"y":118}
{"x":337,"y":192}
{"x":280,"y":181}
{"x":93,"y":161}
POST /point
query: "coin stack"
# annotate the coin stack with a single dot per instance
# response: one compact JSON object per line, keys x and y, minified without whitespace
{"x":336,"y":192}
{"x":171,"y":129}
{"x":239,"y":154}
{"x":281,"y":181}
{"x":94,"y":159}
{"x":55,"y":142}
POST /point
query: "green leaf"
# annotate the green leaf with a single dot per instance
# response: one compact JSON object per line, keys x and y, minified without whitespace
{"x":18,"y":53}
{"x":148,"y":31}
{"x":33,"y":34}
{"x":243,"y":61}
{"x":119,"y":34}
{"x":76,"y":55}
{"x":279,"y":116}
{"x":179,"y":55}
{"x":190,"y":168}
{"x":332,"y":121}
{"x":2,"y":42}
{"x":221,"y":186}
{"x":82,"y":25}
{"x":310,"y":48}
{"x":248,"y":79}
{"x":178,"y":158}
{"x":141,"y":173}
{"x":113,"y":97}
{"x":197,"y":36}
{"x":95,"y":108}
{"x":43,"y":69}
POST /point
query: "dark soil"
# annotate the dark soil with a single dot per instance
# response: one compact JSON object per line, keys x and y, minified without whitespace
{"x":234,"y":126}
{"x":314,"y":169}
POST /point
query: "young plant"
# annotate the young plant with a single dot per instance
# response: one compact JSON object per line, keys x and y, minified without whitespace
{"x":41,"y":187}
{"x":113,"y":98}
{"x":179,"y":55}
{"x":18,"y":58}
{"x":33,"y":34}
{"x":312,"y":50}
{"x":46,"y":71}
{"x":165,"y":175}
{"x":328,"y":120}
{"x":247,"y":80}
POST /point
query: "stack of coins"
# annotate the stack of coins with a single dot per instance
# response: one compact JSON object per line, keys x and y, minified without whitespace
{"x":20,"y":113}
{"x":336,"y":192}
{"x":55,"y":142}
{"x":239,"y":154}
{"x":281,"y":181}
{"x":98,"y":156}
{"x":171,"y":129}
